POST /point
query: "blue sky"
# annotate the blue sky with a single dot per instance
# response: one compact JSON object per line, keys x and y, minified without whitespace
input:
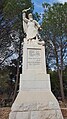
{"x":38,"y":4}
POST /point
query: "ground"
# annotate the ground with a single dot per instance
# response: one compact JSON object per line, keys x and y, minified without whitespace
{"x":4,"y":112}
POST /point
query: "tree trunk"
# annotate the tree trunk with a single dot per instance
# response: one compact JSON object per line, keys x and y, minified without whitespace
{"x":59,"y":72}
{"x":16,"y":83}
{"x":61,"y":85}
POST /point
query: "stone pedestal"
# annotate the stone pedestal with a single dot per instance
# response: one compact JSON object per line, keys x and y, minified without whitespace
{"x":35,"y":99}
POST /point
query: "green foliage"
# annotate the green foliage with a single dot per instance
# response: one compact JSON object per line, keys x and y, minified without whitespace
{"x":14,"y":7}
{"x":7,"y":80}
{"x":11,"y":23}
{"x":55,"y":84}
{"x":56,"y":19}
{"x":65,"y":80}
{"x":4,"y":77}
{"x":12,"y":10}
{"x":54,"y":26}
{"x":55,"y":35}
{"x":37,"y":16}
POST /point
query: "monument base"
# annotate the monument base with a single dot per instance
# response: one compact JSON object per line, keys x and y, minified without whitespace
{"x":35,"y":105}
{"x":35,"y":99}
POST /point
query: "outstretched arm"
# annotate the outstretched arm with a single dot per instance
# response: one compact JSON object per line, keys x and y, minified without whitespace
{"x":25,"y":10}
{"x":24,"y":15}
{"x":24,"y":18}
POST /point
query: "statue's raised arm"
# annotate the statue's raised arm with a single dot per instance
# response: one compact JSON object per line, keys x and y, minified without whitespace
{"x":25,"y":20}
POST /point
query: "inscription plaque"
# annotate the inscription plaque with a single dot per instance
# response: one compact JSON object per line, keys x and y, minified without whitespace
{"x":34,"y":58}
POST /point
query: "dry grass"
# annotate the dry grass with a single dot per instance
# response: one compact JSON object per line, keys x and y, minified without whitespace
{"x":4,"y":112}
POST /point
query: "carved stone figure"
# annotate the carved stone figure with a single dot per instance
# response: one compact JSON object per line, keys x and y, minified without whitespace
{"x":30,"y":26}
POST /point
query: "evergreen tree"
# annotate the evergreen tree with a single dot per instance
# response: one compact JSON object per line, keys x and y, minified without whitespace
{"x":12,"y":11}
{"x":55,"y":32}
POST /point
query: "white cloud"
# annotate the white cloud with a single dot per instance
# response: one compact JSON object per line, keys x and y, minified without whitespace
{"x":62,"y":1}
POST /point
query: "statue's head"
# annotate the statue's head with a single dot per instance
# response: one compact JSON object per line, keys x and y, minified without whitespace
{"x":30,"y":16}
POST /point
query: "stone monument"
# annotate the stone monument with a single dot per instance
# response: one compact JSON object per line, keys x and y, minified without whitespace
{"x":35,"y":99}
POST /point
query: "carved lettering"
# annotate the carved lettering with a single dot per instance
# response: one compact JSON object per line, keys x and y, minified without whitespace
{"x":34,"y":58}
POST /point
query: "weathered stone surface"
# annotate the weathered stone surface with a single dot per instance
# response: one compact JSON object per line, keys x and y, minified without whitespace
{"x":28,"y":107}
{"x":47,"y":105}
{"x":35,"y":99}
{"x":47,"y":114}
{"x":19,"y":115}
{"x":37,"y":106}
{"x":23,"y":115}
{"x":28,"y":64}
{"x":12,"y":115}
{"x":59,"y":114}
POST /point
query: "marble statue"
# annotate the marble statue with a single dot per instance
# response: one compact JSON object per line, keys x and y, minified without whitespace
{"x":31,"y":28}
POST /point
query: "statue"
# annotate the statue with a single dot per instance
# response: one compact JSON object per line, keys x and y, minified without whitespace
{"x":31,"y":27}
